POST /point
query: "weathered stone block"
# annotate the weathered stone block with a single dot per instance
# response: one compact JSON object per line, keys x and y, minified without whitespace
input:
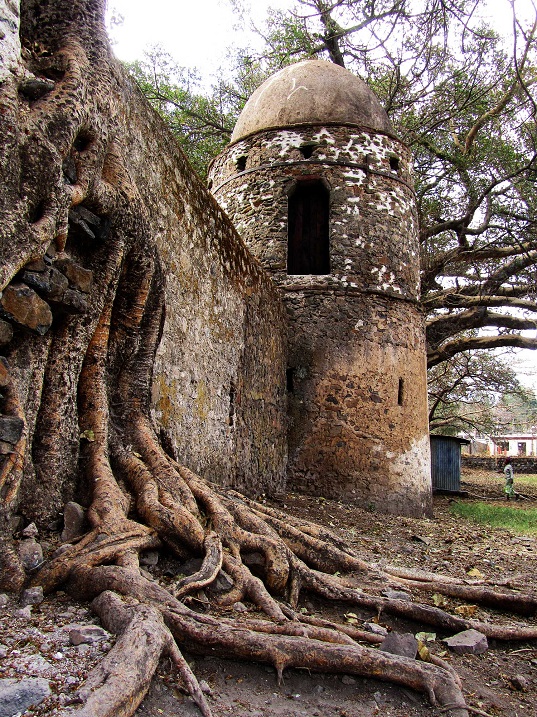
{"x":75,"y":302}
{"x":6,"y":332}
{"x":21,"y":304}
{"x":5,"y":378}
{"x":78,"y":277}
{"x":11,"y":429}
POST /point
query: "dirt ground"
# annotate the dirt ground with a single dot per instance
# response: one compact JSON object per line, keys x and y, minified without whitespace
{"x":446,"y":544}
{"x":500,"y":682}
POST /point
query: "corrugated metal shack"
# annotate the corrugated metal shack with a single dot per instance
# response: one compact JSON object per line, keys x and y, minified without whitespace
{"x":446,"y":462}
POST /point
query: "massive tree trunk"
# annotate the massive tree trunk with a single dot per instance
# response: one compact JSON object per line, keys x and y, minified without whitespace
{"x":83,"y":308}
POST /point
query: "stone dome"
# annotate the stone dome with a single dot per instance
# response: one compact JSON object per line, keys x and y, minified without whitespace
{"x":312,"y":92}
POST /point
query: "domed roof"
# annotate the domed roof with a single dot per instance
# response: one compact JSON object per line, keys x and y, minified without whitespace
{"x":312,"y":92}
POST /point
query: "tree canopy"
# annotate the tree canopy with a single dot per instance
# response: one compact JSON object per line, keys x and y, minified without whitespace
{"x":461,"y":95}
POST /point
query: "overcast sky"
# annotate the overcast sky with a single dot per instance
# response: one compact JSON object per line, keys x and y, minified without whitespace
{"x":197,"y":34}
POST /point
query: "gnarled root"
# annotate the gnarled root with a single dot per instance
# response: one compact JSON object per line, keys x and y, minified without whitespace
{"x":120,"y":681}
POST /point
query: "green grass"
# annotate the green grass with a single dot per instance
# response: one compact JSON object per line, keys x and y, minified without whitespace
{"x":526,"y":479}
{"x":519,"y":520}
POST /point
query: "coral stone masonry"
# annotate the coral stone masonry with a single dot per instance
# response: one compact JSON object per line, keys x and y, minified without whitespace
{"x":320,"y":190}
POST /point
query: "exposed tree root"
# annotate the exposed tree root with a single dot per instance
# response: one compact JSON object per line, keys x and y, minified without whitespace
{"x":95,"y":375}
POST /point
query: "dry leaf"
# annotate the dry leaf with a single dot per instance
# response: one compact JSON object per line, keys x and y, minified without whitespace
{"x":439,"y":600}
{"x":425,"y":636}
{"x":423,"y":652}
{"x":466,"y":610}
{"x":475,"y":573}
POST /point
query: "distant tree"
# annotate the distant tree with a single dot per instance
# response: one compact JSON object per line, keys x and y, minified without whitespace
{"x":465,"y":392}
{"x":516,"y":412}
{"x":201,"y":119}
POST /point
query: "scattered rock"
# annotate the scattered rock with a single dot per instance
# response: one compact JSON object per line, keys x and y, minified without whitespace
{"x":74,"y":302}
{"x":32,"y":596}
{"x":17,"y":697}
{"x":88,"y":634}
{"x":78,"y":277}
{"x":404,"y":644}
{"x":396,"y":594}
{"x":30,"y":554}
{"x":467,"y":642}
{"x":25,"y":612}
{"x":36,"y":265}
{"x":374,"y":628}
{"x":348,"y":680}
{"x":240,"y":607}
{"x":3,"y":599}
{"x":190,"y":566}
{"x":5,"y":378}
{"x":73,"y":520}
{"x":519,"y":682}
{"x":58,"y":285}
{"x":30,"y":531}
{"x":223,"y":582}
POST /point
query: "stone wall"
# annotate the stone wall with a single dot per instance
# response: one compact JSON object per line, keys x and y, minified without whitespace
{"x":521,"y":464}
{"x":219,"y":385}
{"x":356,"y":366}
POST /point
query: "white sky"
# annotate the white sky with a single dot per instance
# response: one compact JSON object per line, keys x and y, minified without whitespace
{"x":197,"y":33}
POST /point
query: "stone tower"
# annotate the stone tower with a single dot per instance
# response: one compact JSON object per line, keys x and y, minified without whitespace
{"x":320,"y":189}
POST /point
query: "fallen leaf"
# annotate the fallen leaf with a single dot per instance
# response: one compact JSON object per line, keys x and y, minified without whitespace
{"x":466,"y":610}
{"x":439,"y":600}
{"x":423,"y":652}
{"x":425,"y":636}
{"x":475,"y":573}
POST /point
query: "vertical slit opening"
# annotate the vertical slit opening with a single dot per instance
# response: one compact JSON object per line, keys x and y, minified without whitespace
{"x":290,"y":379}
{"x":232,"y":395}
{"x":400,"y":392}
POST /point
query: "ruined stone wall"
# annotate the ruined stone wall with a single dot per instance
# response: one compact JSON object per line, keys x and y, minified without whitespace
{"x":356,"y":364}
{"x":219,"y":384}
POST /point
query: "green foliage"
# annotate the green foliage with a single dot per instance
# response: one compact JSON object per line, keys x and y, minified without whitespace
{"x":518,"y":520}
{"x":202,"y":122}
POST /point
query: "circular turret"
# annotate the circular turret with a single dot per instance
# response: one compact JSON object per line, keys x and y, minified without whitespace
{"x":320,"y":189}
